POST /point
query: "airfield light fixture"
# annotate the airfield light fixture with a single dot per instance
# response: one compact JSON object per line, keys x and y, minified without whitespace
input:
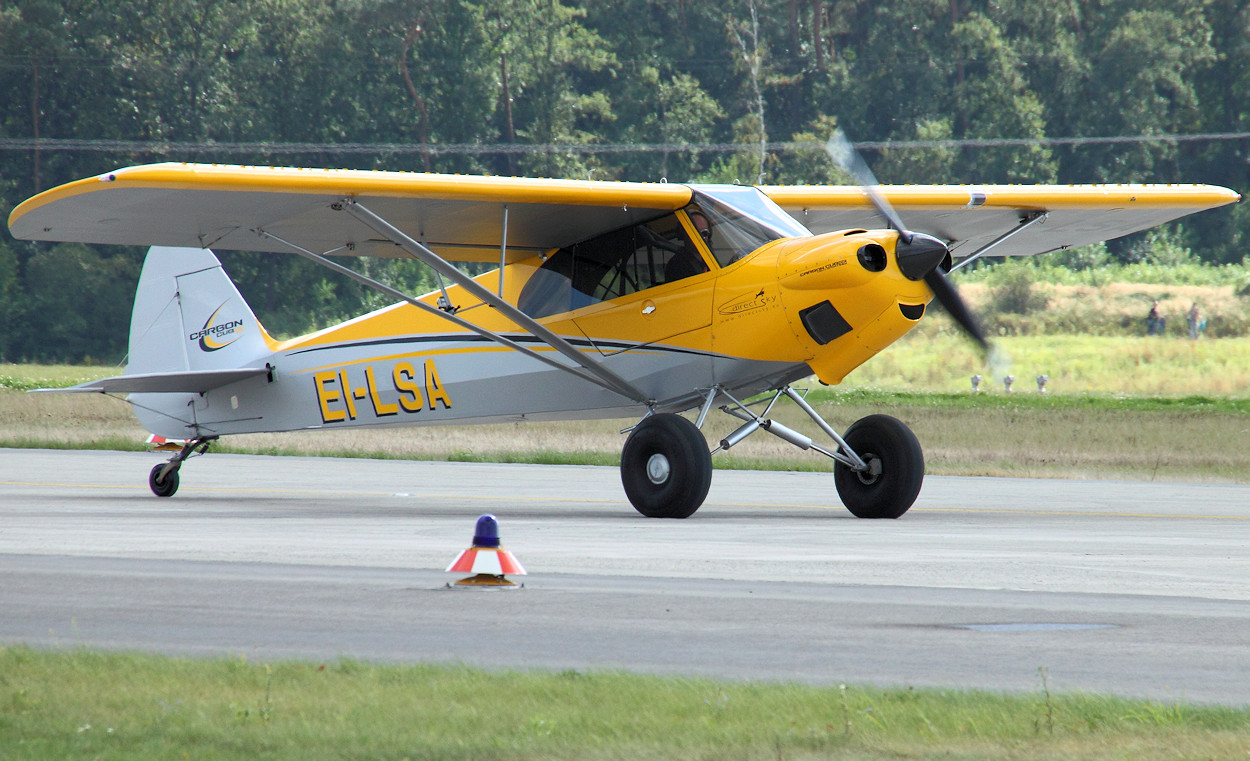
{"x":486,"y":531}
{"x":489,"y":562}
{"x":976,"y":383}
{"x":1041,"y":383}
{"x":1007,"y":381}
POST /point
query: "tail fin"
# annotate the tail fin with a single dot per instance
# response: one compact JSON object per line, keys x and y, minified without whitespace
{"x":188,"y":316}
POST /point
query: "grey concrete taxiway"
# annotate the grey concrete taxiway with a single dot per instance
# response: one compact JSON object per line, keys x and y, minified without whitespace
{"x":1138,"y":589}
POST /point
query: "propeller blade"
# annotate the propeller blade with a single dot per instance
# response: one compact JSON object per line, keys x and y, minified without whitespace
{"x":950,"y":300}
{"x":844,"y":155}
{"x":921,"y":259}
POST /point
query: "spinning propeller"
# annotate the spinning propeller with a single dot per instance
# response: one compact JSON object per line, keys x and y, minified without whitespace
{"x":920,"y":256}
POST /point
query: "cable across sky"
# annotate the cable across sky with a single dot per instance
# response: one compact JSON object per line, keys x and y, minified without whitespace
{"x":476,"y":149}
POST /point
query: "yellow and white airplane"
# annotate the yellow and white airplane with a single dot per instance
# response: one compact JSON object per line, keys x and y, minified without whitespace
{"x":611,"y":299}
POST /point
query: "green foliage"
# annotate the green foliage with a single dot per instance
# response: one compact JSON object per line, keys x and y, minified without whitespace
{"x":526,"y":75}
{"x":10,"y":292}
{"x":1012,"y":291}
{"x":1162,"y":246}
{"x":1082,"y":258}
{"x":1058,"y":269}
{"x":54,"y":321}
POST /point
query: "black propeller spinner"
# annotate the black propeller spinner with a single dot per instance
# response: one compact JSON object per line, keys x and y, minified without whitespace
{"x":920,"y":256}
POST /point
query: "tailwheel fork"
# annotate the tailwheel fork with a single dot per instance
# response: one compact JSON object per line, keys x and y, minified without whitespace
{"x":163,"y":478}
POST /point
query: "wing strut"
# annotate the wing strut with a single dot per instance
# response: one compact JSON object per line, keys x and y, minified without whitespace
{"x":449,"y":316}
{"x":1033,"y":218}
{"x":607,"y":378}
{"x":503,"y":248}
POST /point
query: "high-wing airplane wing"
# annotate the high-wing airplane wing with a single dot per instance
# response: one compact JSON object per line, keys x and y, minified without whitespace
{"x":458,"y":216}
{"x":463,"y":218}
{"x":970,"y":217}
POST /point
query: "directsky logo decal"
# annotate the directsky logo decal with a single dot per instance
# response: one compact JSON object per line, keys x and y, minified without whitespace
{"x":747,"y":303}
{"x":217,"y":335}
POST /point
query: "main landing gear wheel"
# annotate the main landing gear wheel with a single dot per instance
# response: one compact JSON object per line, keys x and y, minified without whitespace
{"x":163,"y":487}
{"x":666,"y":467}
{"x":895,"y":468}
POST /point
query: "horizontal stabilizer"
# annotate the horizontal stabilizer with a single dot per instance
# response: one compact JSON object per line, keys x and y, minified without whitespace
{"x":191,"y":382}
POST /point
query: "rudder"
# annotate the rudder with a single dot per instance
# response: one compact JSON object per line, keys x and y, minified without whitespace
{"x":188,"y":315}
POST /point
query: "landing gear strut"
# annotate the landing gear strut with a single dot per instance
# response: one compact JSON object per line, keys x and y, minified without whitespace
{"x":163,"y":479}
{"x":666,"y":468}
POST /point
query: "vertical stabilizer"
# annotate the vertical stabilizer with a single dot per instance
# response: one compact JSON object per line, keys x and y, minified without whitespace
{"x":188,"y":315}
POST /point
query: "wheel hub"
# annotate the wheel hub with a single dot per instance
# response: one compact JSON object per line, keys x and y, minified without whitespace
{"x":869,"y":475}
{"x":658,"y":469}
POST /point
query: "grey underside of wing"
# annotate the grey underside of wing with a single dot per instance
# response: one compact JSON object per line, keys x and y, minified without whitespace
{"x":970,"y":229}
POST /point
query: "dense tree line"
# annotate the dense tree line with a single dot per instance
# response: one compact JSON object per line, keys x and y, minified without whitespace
{"x":740,"y":90}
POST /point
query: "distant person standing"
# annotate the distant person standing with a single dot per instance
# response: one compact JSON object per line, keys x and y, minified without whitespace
{"x":1196,"y":323}
{"x":1154,"y":323}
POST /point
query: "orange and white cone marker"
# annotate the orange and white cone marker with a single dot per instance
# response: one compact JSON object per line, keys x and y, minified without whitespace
{"x":486,"y":559}
{"x":162,"y":444}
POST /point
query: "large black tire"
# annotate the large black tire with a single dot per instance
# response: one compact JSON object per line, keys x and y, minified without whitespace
{"x":164,"y":487}
{"x":896,"y":468}
{"x":666,"y":467}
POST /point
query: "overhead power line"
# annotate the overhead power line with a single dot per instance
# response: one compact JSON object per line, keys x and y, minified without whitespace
{"x":477,"y":149}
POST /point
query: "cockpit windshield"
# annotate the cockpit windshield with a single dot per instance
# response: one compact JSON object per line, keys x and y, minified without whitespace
{"x":741,"y":219}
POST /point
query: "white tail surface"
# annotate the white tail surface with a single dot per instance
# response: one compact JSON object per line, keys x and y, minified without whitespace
{"x":188,"y":315}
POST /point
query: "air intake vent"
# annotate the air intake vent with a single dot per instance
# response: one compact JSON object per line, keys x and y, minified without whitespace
{"x":872,"y":257}
{"x":823,"y":323}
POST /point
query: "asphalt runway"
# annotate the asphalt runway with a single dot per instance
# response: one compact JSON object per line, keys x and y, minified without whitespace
{"x":1136,"y":589}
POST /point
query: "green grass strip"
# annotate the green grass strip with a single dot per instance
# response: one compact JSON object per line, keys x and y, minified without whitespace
{"x":95,"y":705}
{"x":1030,"y":400}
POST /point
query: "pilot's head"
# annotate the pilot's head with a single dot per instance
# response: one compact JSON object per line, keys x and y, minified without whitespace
{"x":702,"y":225}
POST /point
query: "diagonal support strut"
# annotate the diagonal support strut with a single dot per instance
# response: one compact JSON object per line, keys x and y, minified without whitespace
{"x":607,"y":378}
{"x":1034,"y":218}
{"x":449,"y":316}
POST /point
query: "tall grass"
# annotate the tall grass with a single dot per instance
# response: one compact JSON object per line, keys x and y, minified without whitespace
{"x":1038,"y":296}
{"x":30,"y":377}
{"x":1069,"y":269}
{"x":945,"y":361}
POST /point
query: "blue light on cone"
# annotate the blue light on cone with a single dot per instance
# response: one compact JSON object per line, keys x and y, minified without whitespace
{"x":486,"y":533}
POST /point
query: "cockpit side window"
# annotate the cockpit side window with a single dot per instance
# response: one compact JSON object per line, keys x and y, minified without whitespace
{"x":612,"y":265}
{"x":730,"y":234}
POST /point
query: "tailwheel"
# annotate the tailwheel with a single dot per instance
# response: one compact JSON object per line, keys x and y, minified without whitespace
{"x":666,"y":467}
{"x":163,"y":485}
{"x":891,"y":482}
{"x":163,"y":478}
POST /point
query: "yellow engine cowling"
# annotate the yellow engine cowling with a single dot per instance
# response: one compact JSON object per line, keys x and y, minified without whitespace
{"x":832,"y":301}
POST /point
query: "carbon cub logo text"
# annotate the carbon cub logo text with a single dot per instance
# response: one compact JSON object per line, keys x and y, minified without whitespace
{"x":217,"y":335}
